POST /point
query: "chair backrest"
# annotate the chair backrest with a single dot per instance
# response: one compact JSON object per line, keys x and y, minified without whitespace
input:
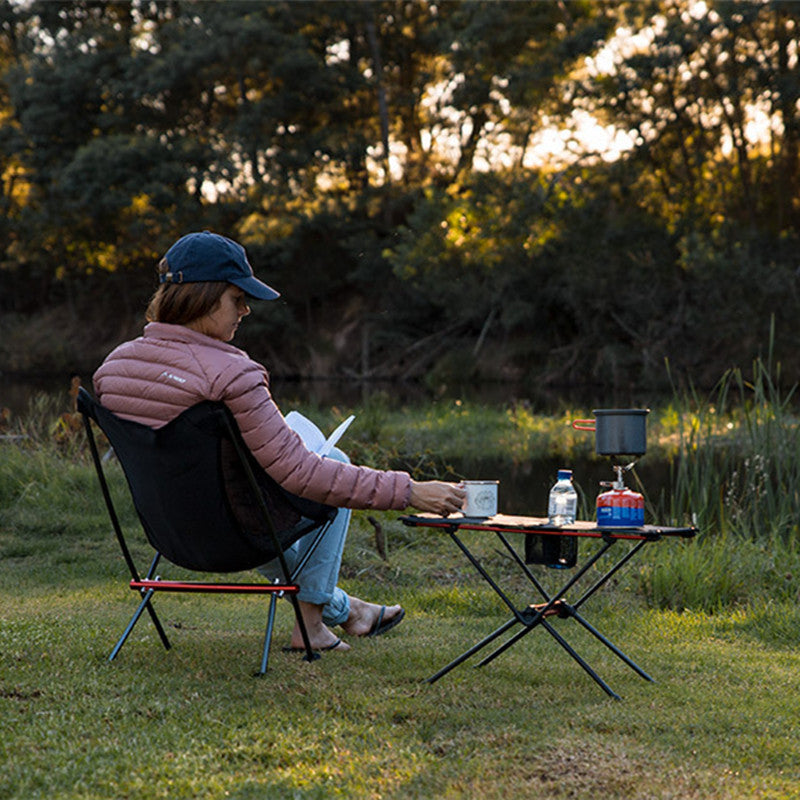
{"x":177,"y":482}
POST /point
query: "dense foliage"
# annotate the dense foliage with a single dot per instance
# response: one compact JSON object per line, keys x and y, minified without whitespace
{"x":384,"y":163}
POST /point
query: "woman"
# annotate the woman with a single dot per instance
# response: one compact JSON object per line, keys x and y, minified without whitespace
{"x":184,"y":357}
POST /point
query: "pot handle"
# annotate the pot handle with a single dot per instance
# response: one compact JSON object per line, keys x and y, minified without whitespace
{"x":583,"y":424}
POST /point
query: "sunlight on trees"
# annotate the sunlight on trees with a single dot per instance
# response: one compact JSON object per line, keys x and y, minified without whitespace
{"x":567,"y":191}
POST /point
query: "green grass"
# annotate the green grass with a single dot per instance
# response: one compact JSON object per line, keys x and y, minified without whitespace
{"x":720,"y":721}
{"x":714,"y":620}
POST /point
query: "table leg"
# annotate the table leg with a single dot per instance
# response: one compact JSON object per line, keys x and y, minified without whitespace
{"x":610,"y":645}
{"x":568,"y":610}
{"x":532,"y":622}
{"x":533,"y":616}
{"x":538,"y":615}
{"x":488,"y":578}
{"x":566,"y":645}
{"x":474,"y":649}
{"x":605,"y":578}
{"x":522,"y":565}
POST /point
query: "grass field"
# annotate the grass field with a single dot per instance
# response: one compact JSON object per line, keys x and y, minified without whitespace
{"x":721,"y":720}
{"x":714,"y":620}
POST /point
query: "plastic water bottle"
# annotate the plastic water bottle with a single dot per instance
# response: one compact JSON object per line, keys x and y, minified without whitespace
{"x":562,"y":506}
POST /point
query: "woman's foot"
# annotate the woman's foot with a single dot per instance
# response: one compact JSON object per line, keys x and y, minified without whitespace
{"x":319,"y":634}
{"x":369,"y":619}
{"x":320,"y":640}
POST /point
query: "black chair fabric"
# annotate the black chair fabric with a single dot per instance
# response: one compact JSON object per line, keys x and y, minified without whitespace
{"x":206,"y":505}
{"x":189,"y":487}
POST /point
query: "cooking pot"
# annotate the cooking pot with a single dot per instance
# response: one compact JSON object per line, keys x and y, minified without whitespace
{"x":617,"y":431}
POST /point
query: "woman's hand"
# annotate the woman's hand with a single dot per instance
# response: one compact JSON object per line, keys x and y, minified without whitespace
{"x":438,"y":497}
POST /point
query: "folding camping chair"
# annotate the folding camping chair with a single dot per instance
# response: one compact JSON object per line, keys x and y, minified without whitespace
{"x":181,"y":478}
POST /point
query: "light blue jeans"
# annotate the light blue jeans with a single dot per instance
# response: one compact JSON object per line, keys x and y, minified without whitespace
{"x":321,"y":573}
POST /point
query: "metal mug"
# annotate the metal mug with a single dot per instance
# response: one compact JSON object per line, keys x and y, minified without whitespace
{"x":481,"y":499}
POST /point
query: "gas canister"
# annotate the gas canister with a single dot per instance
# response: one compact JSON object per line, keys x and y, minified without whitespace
{"x":620,"y":508}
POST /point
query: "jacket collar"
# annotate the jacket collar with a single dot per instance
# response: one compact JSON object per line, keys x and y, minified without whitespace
{"x":180,"y":333}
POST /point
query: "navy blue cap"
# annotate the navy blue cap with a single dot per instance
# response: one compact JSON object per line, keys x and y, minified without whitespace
{"x":207,"y":256}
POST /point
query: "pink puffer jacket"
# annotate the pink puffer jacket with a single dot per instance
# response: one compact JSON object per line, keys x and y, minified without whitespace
{"x":170,"y":368}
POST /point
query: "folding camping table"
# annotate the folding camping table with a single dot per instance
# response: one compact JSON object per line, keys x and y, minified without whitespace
{"x":533,"y":615}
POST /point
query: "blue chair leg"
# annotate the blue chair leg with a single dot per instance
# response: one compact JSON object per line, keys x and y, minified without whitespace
{"x":268,"y":636}
{"x":134,"y":619}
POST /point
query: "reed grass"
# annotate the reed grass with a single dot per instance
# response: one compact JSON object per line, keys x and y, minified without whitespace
{"x":737,"y":466}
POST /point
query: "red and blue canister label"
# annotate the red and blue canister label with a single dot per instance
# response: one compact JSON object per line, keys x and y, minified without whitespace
{"x":620,"y":508}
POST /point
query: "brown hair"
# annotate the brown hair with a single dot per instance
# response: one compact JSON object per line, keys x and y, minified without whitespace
{"x":182,"y":303}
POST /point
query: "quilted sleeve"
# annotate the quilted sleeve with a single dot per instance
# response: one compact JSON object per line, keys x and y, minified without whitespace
{"x":281,"y":452}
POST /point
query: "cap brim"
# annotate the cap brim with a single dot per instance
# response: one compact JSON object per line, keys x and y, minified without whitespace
{"x":255,"y":288}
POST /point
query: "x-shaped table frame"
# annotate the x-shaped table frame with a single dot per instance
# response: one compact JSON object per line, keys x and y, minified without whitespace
{"x":536,"y":614}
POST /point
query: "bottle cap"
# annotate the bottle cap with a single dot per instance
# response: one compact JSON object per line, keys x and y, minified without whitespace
{"x":564,"y":474}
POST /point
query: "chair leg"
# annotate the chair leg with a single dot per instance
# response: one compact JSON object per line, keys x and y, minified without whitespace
{"x":273,"y":601}
{"x":145,"y":604}
{"x":157,"y":623}
{"x":291,"y":578}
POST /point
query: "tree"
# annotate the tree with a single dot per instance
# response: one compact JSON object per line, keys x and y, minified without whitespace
{"x":688,"y":82}
{"x":688,"y":87}
{"x":378,"y":159}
